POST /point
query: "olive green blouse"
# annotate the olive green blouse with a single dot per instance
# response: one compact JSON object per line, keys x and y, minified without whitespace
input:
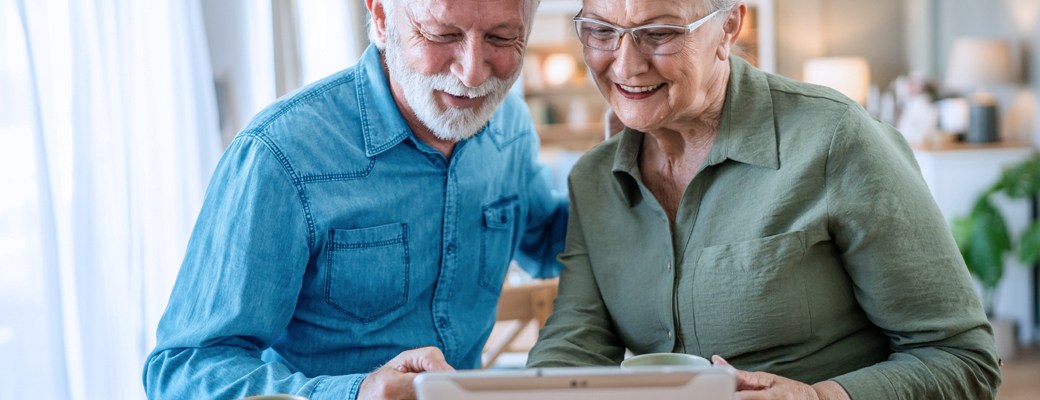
{"x":807,"y":246}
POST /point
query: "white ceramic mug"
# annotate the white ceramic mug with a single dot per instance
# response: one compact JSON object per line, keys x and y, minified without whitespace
{"x":665,"y":359}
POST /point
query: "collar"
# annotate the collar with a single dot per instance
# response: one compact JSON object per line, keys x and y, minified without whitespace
{"x":382,"y":125}
{"x":747,"y":133}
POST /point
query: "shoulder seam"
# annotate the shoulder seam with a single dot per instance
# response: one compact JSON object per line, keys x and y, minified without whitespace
{"x":313,"y":92}
{"x":283,"y":160}
{"x":809,"y":95}
{"x":827,"y":164}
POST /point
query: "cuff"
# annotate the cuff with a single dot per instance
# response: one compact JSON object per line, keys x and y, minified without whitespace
{"x":338,"y":387}
{"x":867,"y":383}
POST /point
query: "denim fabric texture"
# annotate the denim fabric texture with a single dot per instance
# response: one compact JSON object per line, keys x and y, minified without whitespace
{"x":331,"y":239}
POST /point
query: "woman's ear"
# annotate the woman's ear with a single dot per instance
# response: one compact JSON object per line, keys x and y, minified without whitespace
{"x":731,"y":30}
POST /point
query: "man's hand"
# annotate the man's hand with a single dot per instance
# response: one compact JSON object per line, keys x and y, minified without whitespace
{"x":763,"y":386}
{"x":393,"y":381}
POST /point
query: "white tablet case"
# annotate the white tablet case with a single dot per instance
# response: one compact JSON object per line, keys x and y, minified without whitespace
{"x":585,"y":383}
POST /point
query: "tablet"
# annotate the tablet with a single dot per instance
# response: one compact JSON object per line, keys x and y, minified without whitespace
{"x":579,"y":383}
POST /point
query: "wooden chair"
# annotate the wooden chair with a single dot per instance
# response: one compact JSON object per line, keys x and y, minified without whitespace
{"x":518,"y":307}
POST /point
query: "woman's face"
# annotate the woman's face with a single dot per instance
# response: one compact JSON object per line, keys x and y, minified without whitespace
{"x":653,"y":91}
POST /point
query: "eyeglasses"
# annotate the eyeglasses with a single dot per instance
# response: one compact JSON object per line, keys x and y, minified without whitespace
{"x":651,"y":39}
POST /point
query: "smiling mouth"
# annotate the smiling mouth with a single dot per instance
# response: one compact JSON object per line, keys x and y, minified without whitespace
{"x":463,"y":97}
{"x":640,"y":89}
{"x":460,"y":101}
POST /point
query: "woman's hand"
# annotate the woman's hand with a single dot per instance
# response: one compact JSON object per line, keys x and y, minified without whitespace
{"x":763,"y":385}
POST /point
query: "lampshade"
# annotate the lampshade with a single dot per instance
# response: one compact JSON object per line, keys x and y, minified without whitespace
{"x":977,"y":62}
{"x":848,"y":75}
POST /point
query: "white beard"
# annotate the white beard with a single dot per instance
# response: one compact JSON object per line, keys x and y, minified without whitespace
{"x":448,"y":123}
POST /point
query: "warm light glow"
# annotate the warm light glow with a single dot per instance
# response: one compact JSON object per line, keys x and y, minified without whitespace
{"x":976,"y":62}
{"x":848,"y":75}
{"x":1026,"y":14}
{"x":559,"y":68}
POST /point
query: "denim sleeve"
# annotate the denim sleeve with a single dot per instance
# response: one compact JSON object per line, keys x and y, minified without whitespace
{"x":546,"y":225}
{"x":238,"y":287}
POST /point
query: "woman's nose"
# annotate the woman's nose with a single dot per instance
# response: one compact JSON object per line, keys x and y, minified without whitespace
{"x":628,"y":60}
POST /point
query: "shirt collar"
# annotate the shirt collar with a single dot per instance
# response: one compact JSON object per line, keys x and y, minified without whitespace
{"x":382,"y":125}
{"x":746,"y":134}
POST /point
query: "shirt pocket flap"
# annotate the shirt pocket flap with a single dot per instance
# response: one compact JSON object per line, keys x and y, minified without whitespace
{"x":501,"y":214}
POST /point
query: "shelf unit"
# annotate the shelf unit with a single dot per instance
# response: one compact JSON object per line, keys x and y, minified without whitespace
{"x":568,"y":113}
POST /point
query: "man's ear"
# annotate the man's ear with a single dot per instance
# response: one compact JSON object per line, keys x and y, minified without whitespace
{"x":376,"y":8}
{"x":731,"y":30}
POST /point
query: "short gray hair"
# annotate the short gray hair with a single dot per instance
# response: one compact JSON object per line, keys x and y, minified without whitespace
{"x":721,"y":4}
{"x":388,"y":7}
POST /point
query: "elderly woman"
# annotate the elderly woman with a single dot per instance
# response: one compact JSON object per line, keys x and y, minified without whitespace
{"x":759,"y":220}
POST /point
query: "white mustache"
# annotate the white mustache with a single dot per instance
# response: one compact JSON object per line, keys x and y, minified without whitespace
{"x":451,"y":85}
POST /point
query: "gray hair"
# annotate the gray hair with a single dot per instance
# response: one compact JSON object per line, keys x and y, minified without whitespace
{"x":721,"y":4}
{"x":389,"y":5}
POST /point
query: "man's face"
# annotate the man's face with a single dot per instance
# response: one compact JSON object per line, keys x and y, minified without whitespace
{"x":453,"y":61}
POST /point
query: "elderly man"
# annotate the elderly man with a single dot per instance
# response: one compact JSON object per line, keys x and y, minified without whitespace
{"x":358,"y":231}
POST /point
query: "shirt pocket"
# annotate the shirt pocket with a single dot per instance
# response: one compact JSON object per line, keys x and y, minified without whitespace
{"x":367,"y":270}
{"x":751,"y":296}
{"x":496,"y":241}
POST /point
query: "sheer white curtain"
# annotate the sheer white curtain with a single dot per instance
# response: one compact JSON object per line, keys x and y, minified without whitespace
{"x":110,"y":132}
{"x":331,"y":34}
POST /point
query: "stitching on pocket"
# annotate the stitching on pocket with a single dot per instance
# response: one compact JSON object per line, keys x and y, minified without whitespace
{"x":342,"y":277}
{"x":498,"y":233}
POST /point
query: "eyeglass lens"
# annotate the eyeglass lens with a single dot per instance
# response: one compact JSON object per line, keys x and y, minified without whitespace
{"x":649,"y":40}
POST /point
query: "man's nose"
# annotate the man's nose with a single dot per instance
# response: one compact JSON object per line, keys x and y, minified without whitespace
{"x":472,"y":66}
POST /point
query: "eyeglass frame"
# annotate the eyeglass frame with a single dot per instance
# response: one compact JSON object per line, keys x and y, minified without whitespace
{"x":690,"y":28}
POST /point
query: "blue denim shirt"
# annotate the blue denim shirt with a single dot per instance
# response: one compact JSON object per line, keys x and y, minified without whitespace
{"x":331,"y":239}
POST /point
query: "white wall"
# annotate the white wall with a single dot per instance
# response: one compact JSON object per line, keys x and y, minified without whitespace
{"x":818,"y":28}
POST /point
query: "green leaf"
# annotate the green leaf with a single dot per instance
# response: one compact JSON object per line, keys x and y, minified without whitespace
{"x":1021,"y":180}
{"x":1029,"y":245}
{"x":989,"y":241}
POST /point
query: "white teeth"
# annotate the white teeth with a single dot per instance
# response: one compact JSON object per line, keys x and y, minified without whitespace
{"x":639,"y":89}
{"x":465,"y":95}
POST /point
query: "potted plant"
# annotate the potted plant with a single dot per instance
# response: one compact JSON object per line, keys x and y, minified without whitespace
{"x":985,"y":240}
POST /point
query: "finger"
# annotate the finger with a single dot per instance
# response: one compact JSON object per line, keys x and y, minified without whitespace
{"x":753,"y":380}
{"x":433,"y":360}
{"x":422,"y":360}
{"x":718,"y":360}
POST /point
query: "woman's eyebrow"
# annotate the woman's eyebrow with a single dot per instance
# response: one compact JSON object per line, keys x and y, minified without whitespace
{"x":654,"y":20}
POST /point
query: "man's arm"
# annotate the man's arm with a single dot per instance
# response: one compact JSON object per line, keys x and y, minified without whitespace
{"x":546,"y":225}
{"x":237,"y":289}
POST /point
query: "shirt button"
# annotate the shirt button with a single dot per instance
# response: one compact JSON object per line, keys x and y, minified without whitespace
{"x":670,"y":334}
{"x":451,"y":248}
{"x":668,"y":267}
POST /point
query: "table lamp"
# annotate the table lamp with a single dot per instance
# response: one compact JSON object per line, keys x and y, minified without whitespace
{"x":848,"y":75}
{"x":974,"y":64}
